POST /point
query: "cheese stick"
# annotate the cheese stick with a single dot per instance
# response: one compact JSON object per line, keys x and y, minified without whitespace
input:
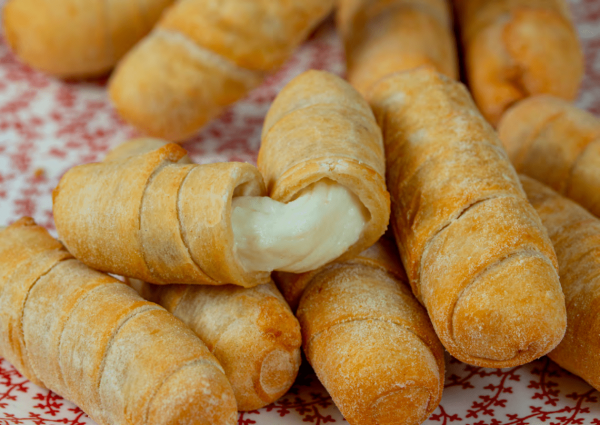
{"x":150,"y":218}
{"x":386,"y":36}
{"x":319,"y":130}
{"x":205,"y":55}
{"x":514,"y":49}
{"x":368,"y":339}
{"x":575,"y":234}
{"x":251,"y":331}
{"x":93,"y":340}
{"x":558,"y":144}
{"x":77,"y":38}
{"x":476,"y":253}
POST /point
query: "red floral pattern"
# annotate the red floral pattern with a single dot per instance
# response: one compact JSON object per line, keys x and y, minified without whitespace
{"x":47,"y":126}
{"x":18,"y":396}
{"x":540,"y":392}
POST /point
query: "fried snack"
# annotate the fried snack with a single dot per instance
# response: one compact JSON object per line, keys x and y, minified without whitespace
{"x":475,"y":251}
{"x":514,"y":49}
{"x":319,"y":128}
{"x":93,"y":340}
{"x":149,"y":218}
{"x":251,"y":331}
{"x":205,"y":55}
{"x":575,"y":234}
{"x":386,"y":36}
{"x":368,"y":339}
{"x":77,"y":38}
{"x":556,"y":143}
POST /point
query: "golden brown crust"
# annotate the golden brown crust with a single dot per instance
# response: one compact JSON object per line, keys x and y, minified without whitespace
{"x":49,"y":305}
{"x":147,"y":334}
{"x":19,"y":272}
{"x":183,"y":86}
{"x":258,"y":35}
{"x":462,"y":221}
{"x":575,"y":234}
{"x":251,"y":331}
{"x":109,"y":306}
{"x":386,"y":36}
{"x":152,"y":219}
{"x":396,"y":373}
{"x":552,"y":141}
{"x":381,"y":255}
{"x":77,"y":38}
{"x":319,"y":127}
{"x":204,"y":56}
{"x":518,"y":48}
{"x":171,"y":406}
{"x":92,"y":339}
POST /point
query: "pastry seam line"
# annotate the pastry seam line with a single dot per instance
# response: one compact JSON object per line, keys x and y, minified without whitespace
{"x":75,"y":306}
{"x":62,"y":330}
{"x":571,"y":227}
{"x":223,"y":63}
{"x":181,"y":232}
{"x":405,"y":180}
{"x":452,"y":220}
{"x":191,"y":362}
{"x":141,"y":310}
{"x":593,"y":140}
{"x":23,"y":311}
{"x":384,"y":321}
{"x":184,"y":240}
{"x":344,"y":322}
{"x":139,"y":238}
{"x":183,"y":296}
{"x":529,"y":142}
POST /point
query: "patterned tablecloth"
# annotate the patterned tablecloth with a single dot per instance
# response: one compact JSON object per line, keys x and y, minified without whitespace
{"x":48,"y":126}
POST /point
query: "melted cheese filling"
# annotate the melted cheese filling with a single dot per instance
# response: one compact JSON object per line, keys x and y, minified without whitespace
{"x":320,"y":225}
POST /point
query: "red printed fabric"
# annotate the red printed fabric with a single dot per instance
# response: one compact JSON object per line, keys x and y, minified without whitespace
{"x":48,"y":126}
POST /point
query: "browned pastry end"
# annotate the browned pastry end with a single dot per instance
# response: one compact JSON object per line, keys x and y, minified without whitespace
{"x":556,"y":143}
{"x":575,"y":234}
{"x":386,"y":36}
{"x":77,"y":38}
{"x":476,"y":253}
{"x":251,"y":331}
{"x":203,"y":56}
{"x":151,"y":218}
{"x":320,"y":128}
{"x":368,"y":339}
{"x":93,"y":340}
{"x":514,"y":49}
